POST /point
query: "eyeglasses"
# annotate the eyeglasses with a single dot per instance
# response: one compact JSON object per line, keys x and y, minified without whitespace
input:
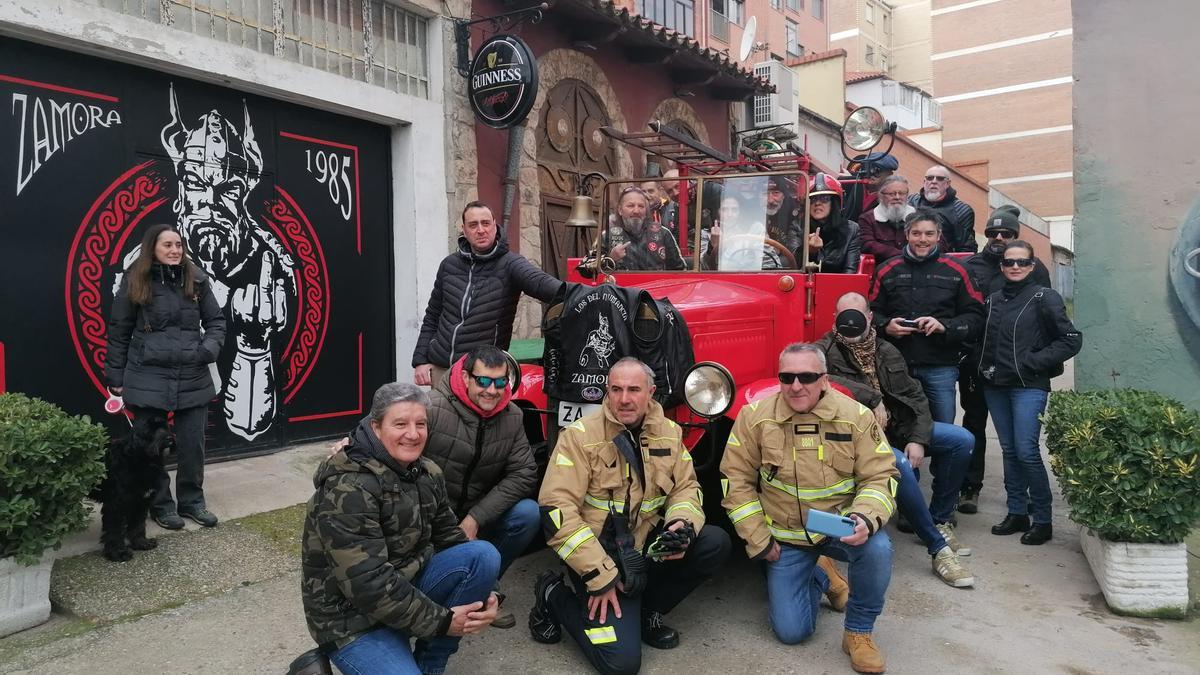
{"x":894,"y":195}
{"x":1017,"y":262}
{"x":937,"y":179}
{"x":1000,"y":234}
{"x":484,"y":381}
{"x":805,"y":378}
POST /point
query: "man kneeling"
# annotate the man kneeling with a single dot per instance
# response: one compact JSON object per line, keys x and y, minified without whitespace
{"x":809,"y":447}
{"x":621,"y":506}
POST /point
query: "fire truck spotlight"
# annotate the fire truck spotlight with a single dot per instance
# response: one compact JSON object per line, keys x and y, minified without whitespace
{"x":708,"y":389}
{"x":864,"y":128}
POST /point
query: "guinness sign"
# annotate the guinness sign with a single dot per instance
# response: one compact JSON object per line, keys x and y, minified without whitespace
{"x":503,"y":82}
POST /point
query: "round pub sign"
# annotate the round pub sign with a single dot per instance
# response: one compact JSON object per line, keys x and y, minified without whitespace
{"x":504,"y":81}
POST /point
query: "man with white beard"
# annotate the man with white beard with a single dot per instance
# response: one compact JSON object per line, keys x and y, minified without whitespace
{"x":882,"y":228}
{"x":958,"y":218}
{"x":634,"y":241}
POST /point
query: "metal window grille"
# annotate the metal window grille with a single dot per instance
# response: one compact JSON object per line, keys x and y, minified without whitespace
{"x":678,"y":15}
{"x":764,"y":104}
{"x":372,"y":41}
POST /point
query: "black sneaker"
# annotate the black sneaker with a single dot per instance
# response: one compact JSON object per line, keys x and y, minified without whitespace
{"x":968,"y":502}
{"x":658,"y":634}
{"x":199,"y":514}
{"x":504,"y":618}
{"x":542,"y":625}
{"x":169,"y":521}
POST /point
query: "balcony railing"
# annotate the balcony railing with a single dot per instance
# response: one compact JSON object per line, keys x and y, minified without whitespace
{"x":719,"y":26}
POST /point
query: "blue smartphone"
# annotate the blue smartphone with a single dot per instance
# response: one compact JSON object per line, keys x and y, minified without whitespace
{"x":829,"y":524}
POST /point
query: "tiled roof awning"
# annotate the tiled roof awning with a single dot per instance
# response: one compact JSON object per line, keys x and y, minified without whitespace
{"x":600,"y":22}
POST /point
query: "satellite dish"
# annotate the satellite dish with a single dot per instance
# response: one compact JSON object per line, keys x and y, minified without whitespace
{"x":748,"y":39}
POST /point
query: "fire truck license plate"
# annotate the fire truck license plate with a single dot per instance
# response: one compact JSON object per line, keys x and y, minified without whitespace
{"x":569,"y":411}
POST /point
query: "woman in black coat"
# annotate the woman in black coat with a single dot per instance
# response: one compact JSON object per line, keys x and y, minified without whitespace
{"x":165,"y":328}
{"x":1026,"y":339}
{"x":833,"y":242}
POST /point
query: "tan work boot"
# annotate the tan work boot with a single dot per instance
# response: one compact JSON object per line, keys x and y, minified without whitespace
{"x":839,"y":591}
{"x":865,"y":657}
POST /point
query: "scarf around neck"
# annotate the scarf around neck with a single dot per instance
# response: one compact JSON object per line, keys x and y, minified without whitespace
{"x":863,"y":353}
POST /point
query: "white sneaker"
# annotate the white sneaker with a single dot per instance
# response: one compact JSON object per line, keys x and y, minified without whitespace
{"x":947,"y":531}
{"x":951,"y":570}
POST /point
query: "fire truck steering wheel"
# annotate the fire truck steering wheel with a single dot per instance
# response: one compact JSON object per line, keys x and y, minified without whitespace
{"x":788,"y":258}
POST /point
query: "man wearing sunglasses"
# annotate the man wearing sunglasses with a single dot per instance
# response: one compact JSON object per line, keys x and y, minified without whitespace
{"x":807,"y":447}
{"x":477,"y":437}
{"x":958,"y":218}
{"x":621,"y":507}
{"x":1003,"y":226}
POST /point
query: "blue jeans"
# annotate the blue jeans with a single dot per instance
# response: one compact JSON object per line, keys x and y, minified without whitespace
{"x":911,"y":504}
{"x":795,"y":585}
{"x":513,"y":532}
{"x":938,"y":383}
{"x":1015,"y":412}
{"x":458,"y":575}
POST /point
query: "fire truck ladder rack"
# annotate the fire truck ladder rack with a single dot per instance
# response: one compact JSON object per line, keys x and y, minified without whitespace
{"x":694,"y":157}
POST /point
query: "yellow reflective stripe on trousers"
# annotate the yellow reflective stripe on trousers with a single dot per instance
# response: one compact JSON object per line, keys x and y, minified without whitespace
{"x":574,"y":541}
{"x":682,"y":506}
{"x":839,"y":488}
{"x":602,"y":635}
{"x":881,"y":497}
{"x":744,"y":511}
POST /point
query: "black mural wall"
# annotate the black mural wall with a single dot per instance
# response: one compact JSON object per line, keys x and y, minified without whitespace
{"x":286,"y":208}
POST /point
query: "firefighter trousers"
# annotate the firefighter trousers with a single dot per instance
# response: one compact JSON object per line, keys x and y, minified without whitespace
{"x":615,"y":647}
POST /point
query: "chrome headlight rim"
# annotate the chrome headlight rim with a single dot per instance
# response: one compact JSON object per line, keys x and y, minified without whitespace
{"x":724,"y":374}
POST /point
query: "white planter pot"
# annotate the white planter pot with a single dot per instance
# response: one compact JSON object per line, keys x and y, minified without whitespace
{"x":1139,"y":579}
{"x":24,"y":594}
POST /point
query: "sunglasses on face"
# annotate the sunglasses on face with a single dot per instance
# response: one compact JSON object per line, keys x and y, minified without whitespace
{"x":1017,"y":262}
{"x":484,"y":381}
{"x":936,"y":179}
{"x":805,"y":378}
{"x":822,"y":199}
{"x":999,"y":234}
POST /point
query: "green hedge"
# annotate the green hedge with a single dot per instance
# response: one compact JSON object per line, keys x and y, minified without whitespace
{"x":1127,"y":463}
{"x":49,"y":461}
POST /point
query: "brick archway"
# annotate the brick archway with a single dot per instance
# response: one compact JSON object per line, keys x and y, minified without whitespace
{"x":678,"y":110}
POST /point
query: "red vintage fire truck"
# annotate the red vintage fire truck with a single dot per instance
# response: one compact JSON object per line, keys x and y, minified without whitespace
{"x":741,"y":305}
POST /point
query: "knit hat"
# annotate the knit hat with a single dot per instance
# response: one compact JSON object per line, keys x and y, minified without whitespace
{"x":1006,"y":217}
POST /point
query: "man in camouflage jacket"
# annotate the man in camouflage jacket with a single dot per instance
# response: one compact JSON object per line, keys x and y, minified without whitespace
{"x":619,"y":482}
{"x":379,"y":540}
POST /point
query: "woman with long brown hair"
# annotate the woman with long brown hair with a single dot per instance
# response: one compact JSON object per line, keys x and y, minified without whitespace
{"x":165,"y":328}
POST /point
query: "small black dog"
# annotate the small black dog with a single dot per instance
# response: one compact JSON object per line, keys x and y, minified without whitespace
{"x":133,"y":467}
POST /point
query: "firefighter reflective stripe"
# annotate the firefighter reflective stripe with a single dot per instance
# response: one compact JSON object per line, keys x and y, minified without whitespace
{"x":784,"y":534}
{"x":578,"y":424}
{"x":724,"y":487}
{"x":602,"y":635}
{"x":744,"y":511}
{"x":842,"y":487}
{"x":892,"y":484}
{"x":653,"y":504}
{"x":883,"y":448}
{"x":574,"y":541}
{"x":684,"y":506}
{"x":603,"y":504}
{"x":733,"y":441}
{"x":561,"y":460}
{"x":686,"y":456}
{"x":888,"y":503}
{"x":556,"y":518}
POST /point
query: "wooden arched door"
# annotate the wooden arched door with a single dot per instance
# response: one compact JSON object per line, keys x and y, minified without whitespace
{"x":569,"y":143}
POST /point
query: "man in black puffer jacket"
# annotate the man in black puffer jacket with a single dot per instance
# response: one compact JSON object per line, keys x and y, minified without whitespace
{"x":925,"y":304}
{"x":477,"y":437}
{"x":475,"y":296}
{"x":958,"y":218}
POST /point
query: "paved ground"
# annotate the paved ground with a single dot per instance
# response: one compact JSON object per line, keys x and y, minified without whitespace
{"x":234,"y":605}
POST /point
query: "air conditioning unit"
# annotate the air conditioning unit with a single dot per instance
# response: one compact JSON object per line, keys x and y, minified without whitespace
{"x":782,"y":107}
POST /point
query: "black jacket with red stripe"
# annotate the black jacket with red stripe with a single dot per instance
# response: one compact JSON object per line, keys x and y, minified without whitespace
{"x":935,"y":286}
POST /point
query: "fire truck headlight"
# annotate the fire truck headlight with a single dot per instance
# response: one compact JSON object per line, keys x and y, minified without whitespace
{"x":864,"y":128}
{"x":708,"y":389}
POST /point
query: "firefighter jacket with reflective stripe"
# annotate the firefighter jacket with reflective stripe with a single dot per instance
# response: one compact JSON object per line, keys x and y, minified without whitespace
{"x":779,"y":463}
{"x":588,"y":475}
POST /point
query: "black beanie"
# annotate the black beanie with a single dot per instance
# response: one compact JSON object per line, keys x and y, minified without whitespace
{"x":1006,"y":217}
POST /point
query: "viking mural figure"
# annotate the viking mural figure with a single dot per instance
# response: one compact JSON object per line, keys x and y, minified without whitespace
{"x":601,"y":344}
{"x":217,"y":167}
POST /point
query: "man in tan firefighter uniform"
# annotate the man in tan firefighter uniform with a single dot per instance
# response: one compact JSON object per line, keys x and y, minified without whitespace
{"x":621,"y":506}
{"x":809,"y":447}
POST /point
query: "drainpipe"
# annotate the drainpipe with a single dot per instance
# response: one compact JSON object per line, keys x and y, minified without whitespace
{"x":516,"y":137}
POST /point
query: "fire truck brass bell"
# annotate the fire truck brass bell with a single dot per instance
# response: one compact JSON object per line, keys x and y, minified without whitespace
{"x":581,"y":213}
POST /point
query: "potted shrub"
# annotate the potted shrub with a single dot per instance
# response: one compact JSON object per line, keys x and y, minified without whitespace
{"x":49,"y":461}
{"x":1128,"y":463}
